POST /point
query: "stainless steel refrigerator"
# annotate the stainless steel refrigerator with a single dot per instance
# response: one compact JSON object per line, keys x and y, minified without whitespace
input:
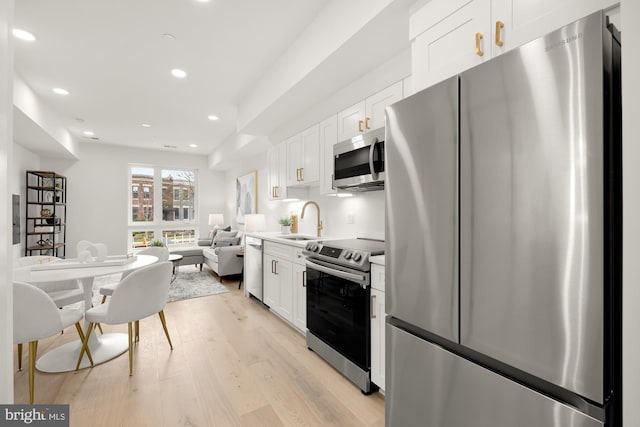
{"x":503,"y":231}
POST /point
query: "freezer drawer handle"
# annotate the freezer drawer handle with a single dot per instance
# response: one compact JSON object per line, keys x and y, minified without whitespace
{"x":479,"y":51}
{"x":499,"y":27}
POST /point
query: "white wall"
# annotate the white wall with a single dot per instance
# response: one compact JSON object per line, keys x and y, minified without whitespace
{"x":367,"y":209}
{"x":6,"y":148}
{"x":630,"y":16}
{"x":98,"y":191}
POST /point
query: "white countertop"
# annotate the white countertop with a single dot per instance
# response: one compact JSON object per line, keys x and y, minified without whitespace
{"x":288,"y":239}
{"x":377,"y":259}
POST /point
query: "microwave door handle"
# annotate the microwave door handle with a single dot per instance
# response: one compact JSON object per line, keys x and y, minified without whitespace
{"x":372,"y":149}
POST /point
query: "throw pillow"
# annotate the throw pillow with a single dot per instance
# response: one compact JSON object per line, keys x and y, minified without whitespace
{"x":223,"y":233}
{"x":225,"y":241}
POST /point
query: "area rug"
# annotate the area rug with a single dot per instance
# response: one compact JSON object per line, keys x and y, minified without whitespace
{"x":188,"y":284}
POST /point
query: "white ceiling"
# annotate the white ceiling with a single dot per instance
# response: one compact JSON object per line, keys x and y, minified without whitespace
{"x":115,"y":60}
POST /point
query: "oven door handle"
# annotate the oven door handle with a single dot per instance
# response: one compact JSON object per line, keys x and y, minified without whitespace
{"x":358,"y":278}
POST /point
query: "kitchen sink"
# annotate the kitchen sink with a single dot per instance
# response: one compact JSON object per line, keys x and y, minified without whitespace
{"x":294,"y":237}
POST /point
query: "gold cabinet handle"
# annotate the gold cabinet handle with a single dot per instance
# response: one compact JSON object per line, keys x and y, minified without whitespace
{"x":479,"y":51}
{"x":499,"y":27}
{"x":360,"y":126}
{"x":301,"y":174}
{"x":366,"y":123}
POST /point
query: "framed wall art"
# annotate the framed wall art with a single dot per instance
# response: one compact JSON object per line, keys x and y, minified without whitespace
{"x":246,"y":195}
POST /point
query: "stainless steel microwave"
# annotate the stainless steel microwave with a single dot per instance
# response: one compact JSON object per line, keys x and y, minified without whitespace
{"x":358,"y":163}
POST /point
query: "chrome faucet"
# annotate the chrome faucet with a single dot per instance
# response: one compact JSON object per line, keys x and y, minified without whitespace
{"x":318,"y":208}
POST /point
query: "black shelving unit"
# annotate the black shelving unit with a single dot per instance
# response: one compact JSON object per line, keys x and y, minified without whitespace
{"x":46,"y":214}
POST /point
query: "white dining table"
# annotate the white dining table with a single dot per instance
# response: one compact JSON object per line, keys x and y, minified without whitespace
{"x":103,"y":347}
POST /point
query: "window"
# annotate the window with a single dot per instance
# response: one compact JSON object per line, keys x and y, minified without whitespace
{"x":142,"y":209}
{"x":166,"y":209}
{"x":178,"y":195}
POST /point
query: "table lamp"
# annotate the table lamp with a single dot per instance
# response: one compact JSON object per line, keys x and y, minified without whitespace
{"x":216,"y":219}
{"x":254,"y":222}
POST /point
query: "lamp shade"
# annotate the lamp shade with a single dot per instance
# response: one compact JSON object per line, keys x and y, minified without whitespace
{"x":216,"y":219}
{"x":254,"y":222}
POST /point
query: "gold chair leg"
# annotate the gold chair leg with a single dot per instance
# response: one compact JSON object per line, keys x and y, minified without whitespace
{"x":137,"y":331}
{"x":79,"y":329}
{"x":33,"y":349}
{"x":19,"y":357}
{"x":100,"y":327}
{"x":130,"y":349}
{"x":85,"y":345}
{"x":164,"y":326}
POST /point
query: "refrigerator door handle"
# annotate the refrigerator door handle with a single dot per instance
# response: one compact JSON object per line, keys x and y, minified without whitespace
{"x":373,"y":306}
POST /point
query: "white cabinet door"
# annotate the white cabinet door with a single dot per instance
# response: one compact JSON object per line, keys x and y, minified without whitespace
{"x":525,"y":20}
{"x":284,"y":274}
{"x":310,"y":142}
{"x":271,"y":286}
{"x":294,"y":156}
{"x":375,"y":105}
{"x":328,"y":135}
{"x":377,"y":338}
{"x":277,"y":169}
{"x":351,"y":121}
{"x":368,"y":114}
{"x":456,"y":42}
{"x":300,"y":297}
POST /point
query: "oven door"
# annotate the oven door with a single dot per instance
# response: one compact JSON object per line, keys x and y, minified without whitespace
{"x":338,"y":309}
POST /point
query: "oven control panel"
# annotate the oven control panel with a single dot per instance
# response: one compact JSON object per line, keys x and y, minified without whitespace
{"x":345,"y":257}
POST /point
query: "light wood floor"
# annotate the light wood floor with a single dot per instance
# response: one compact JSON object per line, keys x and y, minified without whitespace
{"x":233,"y":364}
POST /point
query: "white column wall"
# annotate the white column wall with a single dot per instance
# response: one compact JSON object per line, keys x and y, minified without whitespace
{"x":6,"y":147}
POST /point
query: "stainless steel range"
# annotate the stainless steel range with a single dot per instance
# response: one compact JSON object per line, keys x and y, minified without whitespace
{"x":338,"y":305}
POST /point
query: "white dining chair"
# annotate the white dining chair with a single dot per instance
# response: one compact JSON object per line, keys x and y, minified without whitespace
{"x":63,"y":292}
{"x":140,"y":294}
{"x":36,"y":316}
{"x":161,"y":252}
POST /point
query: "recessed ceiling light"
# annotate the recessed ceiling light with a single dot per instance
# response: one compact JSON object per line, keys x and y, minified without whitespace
{"x":23,"y":35}
{"x":193,"y":145}
{"x":169,"y":36}
{"x":212,"y":117}
{"x":88,"y":133}
{"x":146,"y":125}
{"x":181,"y":74}
{"x":60,"y":91}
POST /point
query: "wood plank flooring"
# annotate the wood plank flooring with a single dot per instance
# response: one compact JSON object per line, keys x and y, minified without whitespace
{"x":233,"y":364}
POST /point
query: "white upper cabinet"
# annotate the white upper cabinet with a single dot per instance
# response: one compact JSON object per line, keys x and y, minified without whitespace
{"x":303,"y":154}
{"x":328,"y":130}
{"x":277,"y":170}
{"x":450,"y":36}
{"x":368,"y":114}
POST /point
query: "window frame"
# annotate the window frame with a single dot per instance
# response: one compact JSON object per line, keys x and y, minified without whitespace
{"x":158,"y":226}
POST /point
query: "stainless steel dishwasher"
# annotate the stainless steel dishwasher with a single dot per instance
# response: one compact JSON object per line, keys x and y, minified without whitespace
{"x":253,"y":266}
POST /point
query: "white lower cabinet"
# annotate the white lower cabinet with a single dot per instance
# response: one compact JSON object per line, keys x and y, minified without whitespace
{"x":377,"y":326}
{"x":284,"y":283}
